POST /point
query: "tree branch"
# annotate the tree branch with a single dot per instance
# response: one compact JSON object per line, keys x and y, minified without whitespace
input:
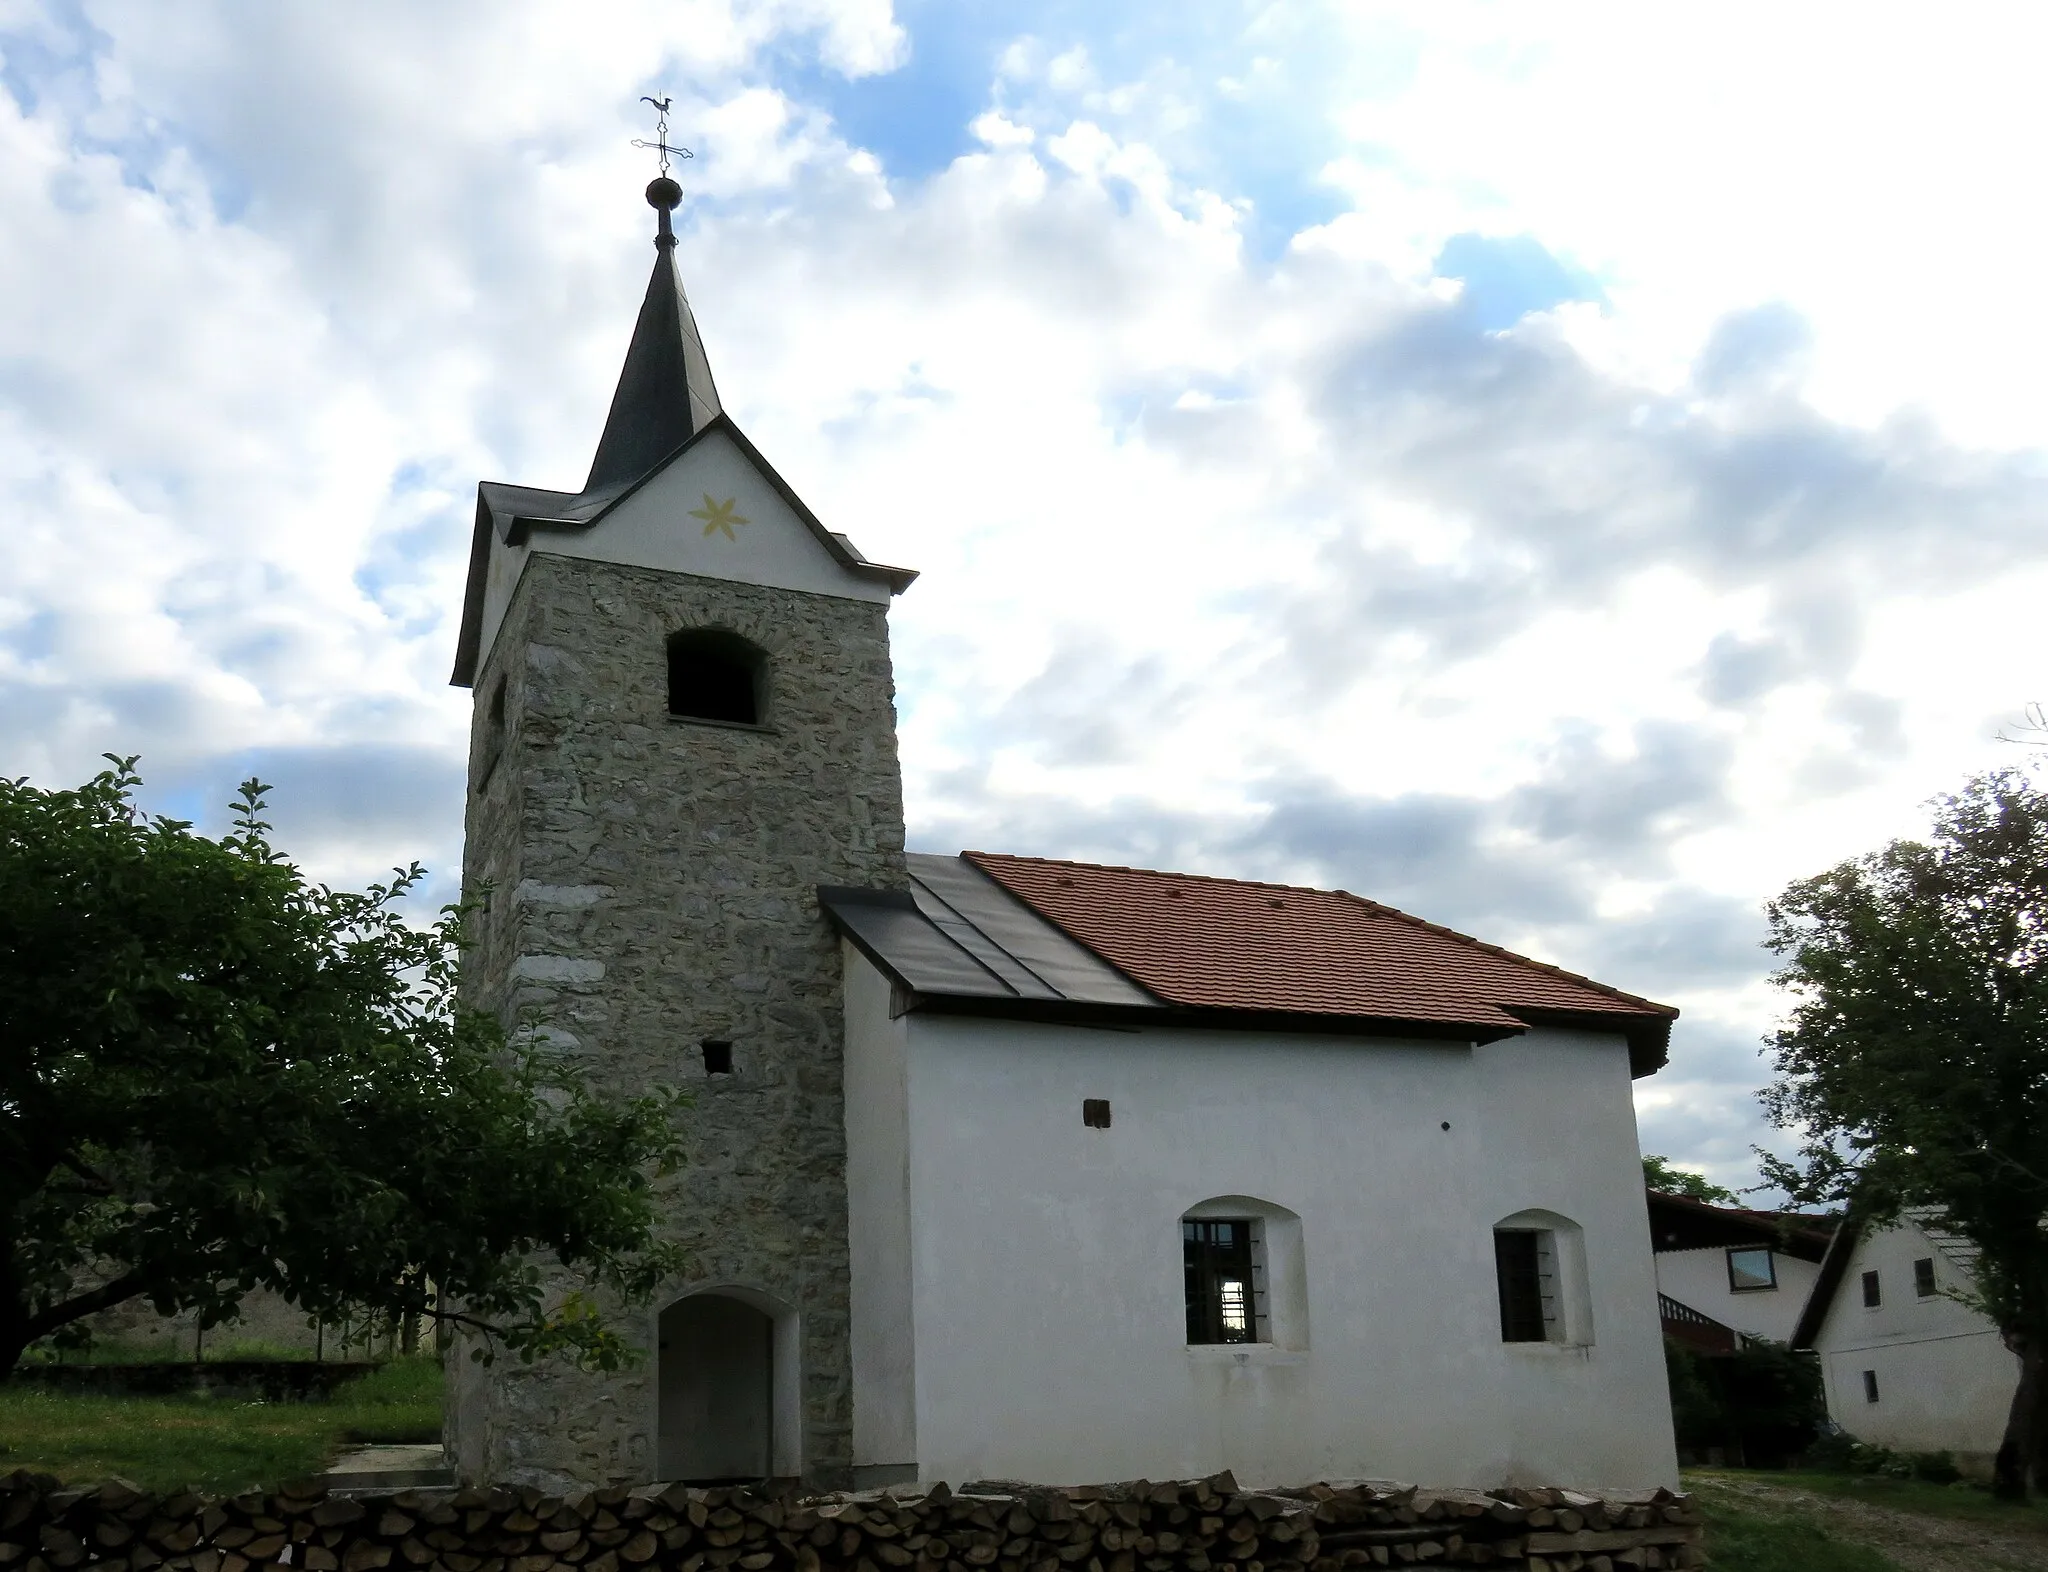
{"x":105,"y":1297}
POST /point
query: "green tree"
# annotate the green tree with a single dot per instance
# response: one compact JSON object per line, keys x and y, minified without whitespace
{"x":1658,"y":1174}
{"x":217,"y":1076}
{"x":1914,"y":1061}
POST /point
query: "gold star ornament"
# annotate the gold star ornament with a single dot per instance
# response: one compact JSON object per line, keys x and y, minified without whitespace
{"x":718,"y":516}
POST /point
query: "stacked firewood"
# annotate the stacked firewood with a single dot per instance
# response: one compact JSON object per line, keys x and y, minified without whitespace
{"x":1206,"y":1525}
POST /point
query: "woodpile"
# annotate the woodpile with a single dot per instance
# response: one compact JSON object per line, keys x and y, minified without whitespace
{"x":1205,"y":1525}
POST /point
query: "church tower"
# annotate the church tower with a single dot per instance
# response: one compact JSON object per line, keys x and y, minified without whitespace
{"x":683,"y":725}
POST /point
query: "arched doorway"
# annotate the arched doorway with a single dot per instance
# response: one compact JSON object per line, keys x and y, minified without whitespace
{"x":718,"y":1389}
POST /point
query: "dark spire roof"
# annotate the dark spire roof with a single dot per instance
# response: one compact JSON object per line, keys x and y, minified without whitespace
{"x":665,"y":394}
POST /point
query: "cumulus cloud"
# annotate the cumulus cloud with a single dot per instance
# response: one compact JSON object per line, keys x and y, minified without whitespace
{"x":1288,"y":504}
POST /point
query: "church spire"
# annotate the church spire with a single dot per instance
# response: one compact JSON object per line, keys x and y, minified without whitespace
{"x":665,"y":393}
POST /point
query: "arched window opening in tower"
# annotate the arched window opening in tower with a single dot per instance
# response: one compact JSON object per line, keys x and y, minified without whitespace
{"x":716,"y":676}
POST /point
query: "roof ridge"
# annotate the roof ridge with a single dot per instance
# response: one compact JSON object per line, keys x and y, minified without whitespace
{"x":1809,"y":1222}
{"x":1161,"y":873}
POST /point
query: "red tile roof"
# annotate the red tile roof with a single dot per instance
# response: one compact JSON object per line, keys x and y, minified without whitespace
{"x":1235,"y":945}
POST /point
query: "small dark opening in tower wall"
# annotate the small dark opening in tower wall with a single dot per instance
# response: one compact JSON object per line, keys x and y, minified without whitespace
{"x":715,"y":675}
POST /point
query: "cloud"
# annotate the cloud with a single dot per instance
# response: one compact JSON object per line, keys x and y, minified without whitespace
{"x":1311,"y":481}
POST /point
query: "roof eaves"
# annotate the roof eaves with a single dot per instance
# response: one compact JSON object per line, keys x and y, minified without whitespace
{"x":838,"y":545}
{"x":469,"y":639}
{"x":591,"y":508}
{"x":1833,"y":1267}
{"x":1636,"y":1001}
{"x":1793,"y":1233}
{"x":842,"y":549}
{"x":1210,"y":1018}
{"x":1648,"y":1036}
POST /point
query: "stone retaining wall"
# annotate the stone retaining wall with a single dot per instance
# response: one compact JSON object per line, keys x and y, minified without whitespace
{"x":272,"y":1380}
{"x":1192,"y":1526}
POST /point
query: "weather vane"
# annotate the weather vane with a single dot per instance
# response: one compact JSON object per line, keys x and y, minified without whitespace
{"x":660,"y":142}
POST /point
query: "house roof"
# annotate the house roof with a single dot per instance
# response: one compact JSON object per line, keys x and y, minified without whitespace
{"x":1678,"y":1222}
{"x":993,"y":934}
{"x":1841,"y":1250}
{"x":1234,"y":944}
{"x":1832,"y":1267}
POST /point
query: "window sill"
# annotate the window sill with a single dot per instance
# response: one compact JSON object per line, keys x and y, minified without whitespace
{"x":705,"y":720}
{"x":1548,"y":1349}
{"x":1245,"y":1354}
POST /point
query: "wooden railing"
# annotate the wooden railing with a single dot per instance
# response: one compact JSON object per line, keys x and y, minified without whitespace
{"x":1699,"y":1330}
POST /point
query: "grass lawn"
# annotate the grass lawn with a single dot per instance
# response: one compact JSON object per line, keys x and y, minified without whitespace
{"x":1756,"y":1541}
{"x":213,"y":1444}
{"x":1750,"y":1531}
{"x":1964,"y":1503}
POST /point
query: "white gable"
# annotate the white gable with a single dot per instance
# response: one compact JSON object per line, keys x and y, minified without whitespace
{"x":714,"y":514}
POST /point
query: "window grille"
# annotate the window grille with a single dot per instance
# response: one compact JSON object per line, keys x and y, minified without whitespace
{"x":1923,"y":1277}
{"x":1525,"y":1270}
{"x":1225,"y":1294}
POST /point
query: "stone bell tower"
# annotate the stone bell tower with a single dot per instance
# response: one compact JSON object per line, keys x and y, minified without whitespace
{"x":683,"y":725}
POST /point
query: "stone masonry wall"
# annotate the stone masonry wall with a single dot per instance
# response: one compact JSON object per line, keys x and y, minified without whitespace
{"x":650,"y":884}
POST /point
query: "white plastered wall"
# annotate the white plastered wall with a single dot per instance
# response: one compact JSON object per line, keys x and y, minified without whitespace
{"x":1699,"y":1278}
{"x":654,"y":528}
{"x":1045,"y":1257}
{"x":1944,"y":1378}
{"x":878,"y":1227}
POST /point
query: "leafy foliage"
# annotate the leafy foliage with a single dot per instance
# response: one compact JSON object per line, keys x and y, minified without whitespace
{"x":1844,"y":1454}
{"x":215,"y":1075}
{"x":1658,"y":1174}
{"x":1914,"y":1062}
{"x":1762,"y":1404}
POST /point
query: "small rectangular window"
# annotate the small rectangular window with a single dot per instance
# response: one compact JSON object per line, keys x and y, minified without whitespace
{"x":1216,"y":1257}
{"x":1872,"y":1295}
{"x":1523,"y":1263}
{"x":1095,"y":1112}
{"x":1751,"y":1269}
{"x":1923,"y":1277}
{"x":1870,"y":1386}
{"x":717,"y":1058}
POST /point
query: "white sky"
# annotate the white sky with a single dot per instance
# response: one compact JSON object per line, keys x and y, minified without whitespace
{"x":1566,"y":470}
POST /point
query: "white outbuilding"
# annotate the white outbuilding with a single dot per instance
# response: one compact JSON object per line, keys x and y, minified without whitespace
{"x":1908,"y":1363}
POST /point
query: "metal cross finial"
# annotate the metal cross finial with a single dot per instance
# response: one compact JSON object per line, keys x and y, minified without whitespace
{"x":660,"y":142}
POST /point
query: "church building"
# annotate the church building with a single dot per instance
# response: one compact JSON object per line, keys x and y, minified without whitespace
{"x":1000,"y":1167}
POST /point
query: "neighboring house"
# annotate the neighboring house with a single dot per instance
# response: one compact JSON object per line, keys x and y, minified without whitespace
{"x":1725,"y":1273}
{"x":1906,"y":1365}
{"x":999,"y":1167}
